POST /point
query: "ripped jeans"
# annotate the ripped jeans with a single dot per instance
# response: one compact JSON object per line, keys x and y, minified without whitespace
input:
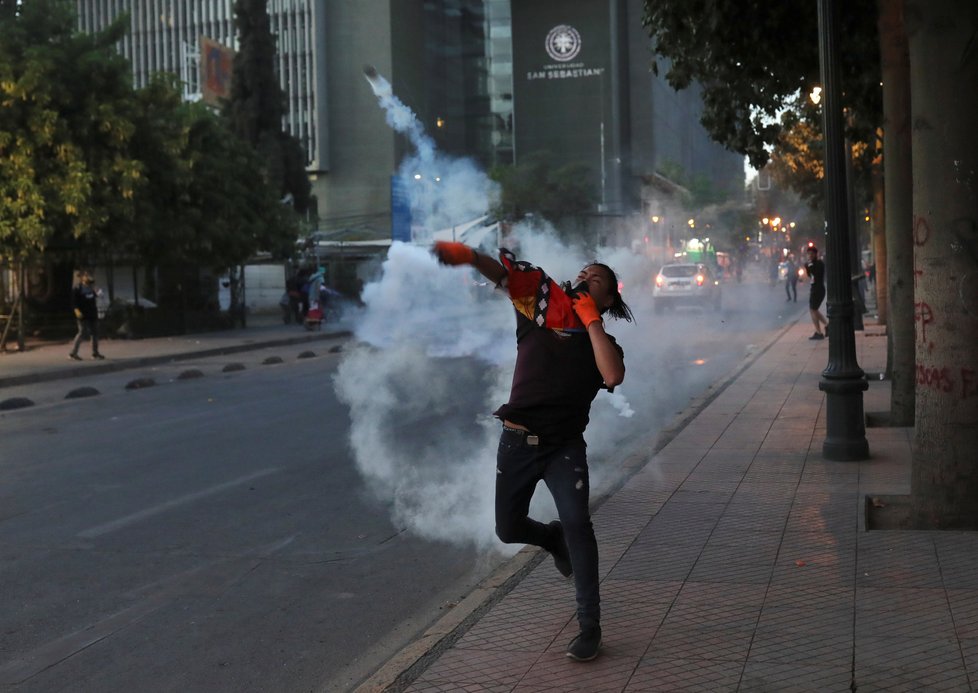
{"x":563,"y":468}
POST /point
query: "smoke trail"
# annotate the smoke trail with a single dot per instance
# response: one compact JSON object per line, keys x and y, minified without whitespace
{"x":437,"y":355}
{"x":444,"y":191}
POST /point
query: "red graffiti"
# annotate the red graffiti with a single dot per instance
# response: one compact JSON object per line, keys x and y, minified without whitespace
{"x":968,"y":385}
{"x":923,"y":314}
{"x":921,"y":231}
{"x":937,"y":378}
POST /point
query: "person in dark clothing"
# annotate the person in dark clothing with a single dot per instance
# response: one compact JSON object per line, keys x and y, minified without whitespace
{"x":816,"y":270}
{"x":563,"y":357}
{"x":84,"y":302}
{"x":791,"y":278}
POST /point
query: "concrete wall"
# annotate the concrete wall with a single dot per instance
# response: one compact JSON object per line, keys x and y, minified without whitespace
{"x":361,"y":158}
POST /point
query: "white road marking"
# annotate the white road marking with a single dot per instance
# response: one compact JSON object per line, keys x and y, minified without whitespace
{"x":121,"y":522}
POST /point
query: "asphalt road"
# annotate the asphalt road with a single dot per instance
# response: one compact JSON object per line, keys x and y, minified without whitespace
{"x":214,"y":533}
{"x":207,"y":534}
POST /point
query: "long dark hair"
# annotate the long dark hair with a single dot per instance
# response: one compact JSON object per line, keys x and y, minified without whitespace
{"x":618,"y":309}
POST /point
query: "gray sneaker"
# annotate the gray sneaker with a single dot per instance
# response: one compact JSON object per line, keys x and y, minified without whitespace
{"x":559,"y":549}
{"x":584,"y":647}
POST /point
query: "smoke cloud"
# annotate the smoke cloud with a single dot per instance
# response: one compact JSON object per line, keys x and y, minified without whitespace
{"x":437,"y":348}
{"x":444,"y":191}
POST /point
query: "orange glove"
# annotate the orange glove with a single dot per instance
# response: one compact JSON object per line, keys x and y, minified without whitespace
{"x":450,"y":253}
{"x":586,"y":309}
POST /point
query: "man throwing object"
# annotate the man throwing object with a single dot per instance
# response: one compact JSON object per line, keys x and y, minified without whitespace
{"x":563,"y":357}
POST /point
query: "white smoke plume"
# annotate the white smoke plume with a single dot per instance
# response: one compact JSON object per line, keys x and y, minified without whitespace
{"x":444,"y":191}
{"x":436,"y":355}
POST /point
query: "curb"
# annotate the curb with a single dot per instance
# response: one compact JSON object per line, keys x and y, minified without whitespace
{"x":405,"y":666}
{"x":121,"y":365}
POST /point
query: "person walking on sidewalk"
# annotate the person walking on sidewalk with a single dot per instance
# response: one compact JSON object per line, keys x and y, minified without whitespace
{"x":84,"y":301}
{"x":816,"y":270}
{"x":563,"y":357}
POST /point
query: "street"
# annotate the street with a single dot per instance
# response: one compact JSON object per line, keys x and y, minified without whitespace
{"x":216,"y":533}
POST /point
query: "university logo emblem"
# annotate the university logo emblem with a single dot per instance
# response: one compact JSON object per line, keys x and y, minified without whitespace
{"x":563,"y":43}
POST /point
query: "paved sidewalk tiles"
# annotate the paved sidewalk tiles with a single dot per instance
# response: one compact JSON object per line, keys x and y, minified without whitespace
{"x":737,"y":559}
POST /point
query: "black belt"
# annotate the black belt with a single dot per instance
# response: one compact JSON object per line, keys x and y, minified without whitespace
{"x":528,"y":438}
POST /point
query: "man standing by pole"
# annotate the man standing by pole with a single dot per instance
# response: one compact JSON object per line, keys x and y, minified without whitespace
{"x":815,"y":269}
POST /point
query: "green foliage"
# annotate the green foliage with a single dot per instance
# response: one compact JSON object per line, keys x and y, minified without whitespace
{"x":65,"y":170}
{"x":92,"y":167}
{"x":205,"y":198}
{"x":754,"y":58}
{"x":798,"y":159}
{"x":536,"y":186}
{"x":701,"y":190}
{"x":234,"y":210}
{"x":257,"y":104}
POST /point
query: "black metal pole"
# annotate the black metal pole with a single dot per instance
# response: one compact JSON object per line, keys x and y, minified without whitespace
{"x":843,"y":381}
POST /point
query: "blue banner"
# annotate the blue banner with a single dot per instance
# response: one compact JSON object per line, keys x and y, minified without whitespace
{"x":400,"y":210}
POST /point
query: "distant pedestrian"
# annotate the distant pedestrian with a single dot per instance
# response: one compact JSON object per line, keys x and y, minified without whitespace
{"x":791,"y":278}
{"x":563,"y":357}
{"x":816,"y":270}
{"x":84,"y":301}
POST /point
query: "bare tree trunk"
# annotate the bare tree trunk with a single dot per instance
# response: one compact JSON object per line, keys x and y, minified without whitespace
{"x":898,"y":176}
{"x":944,"y":80}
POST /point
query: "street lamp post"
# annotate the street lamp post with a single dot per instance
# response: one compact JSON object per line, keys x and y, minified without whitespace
{"x":843,"y":381}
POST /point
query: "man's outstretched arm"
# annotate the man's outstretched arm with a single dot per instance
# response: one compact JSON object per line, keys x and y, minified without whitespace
{"x":451,"y":253}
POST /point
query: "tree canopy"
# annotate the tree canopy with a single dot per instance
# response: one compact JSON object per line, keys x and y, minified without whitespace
{"x":754,"y":59}
{"x":66,"y":171}
{"x":257,"y":105}
{"x":536,"y":186}
{"x":92,"y":167}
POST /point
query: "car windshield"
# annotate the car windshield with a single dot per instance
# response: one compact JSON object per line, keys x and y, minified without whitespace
{"x":679,"y":270}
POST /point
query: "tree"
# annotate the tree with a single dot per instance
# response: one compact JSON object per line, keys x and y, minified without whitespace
{"x":256,"y":107}
{"x":944,"y":71}
{"x":755,"y":92}
{"x":898,"y":277}
{"x":66,"y":173}
{"x":752,"y":59}
{"x":536,"y":186}
{"x":233,"y":212}
{"x":96,"y":170}
{"x":156,"y":235}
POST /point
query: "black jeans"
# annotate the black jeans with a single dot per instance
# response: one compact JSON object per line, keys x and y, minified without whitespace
{"x":563,"y":468}
{"x":87,"y":327}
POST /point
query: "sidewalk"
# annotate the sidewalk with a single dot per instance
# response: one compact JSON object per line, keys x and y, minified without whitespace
{"x":49,"y":361}
{"x":734,"y":559}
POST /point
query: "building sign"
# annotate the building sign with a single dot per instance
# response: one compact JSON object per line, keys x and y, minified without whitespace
{"x":562,"y":86}
{"x":563,"y":43}
{"x":216,"y":63}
